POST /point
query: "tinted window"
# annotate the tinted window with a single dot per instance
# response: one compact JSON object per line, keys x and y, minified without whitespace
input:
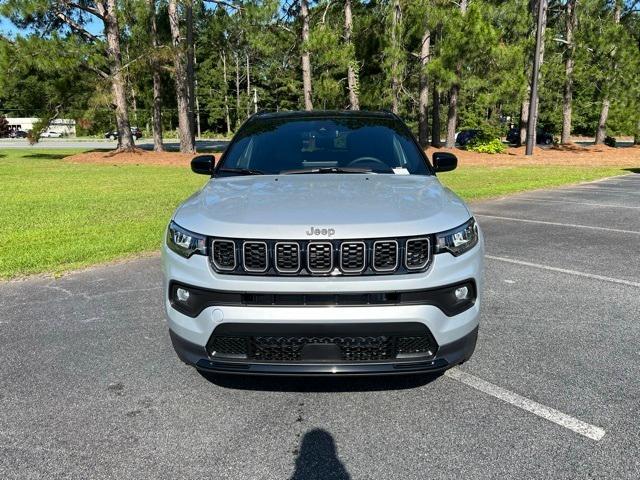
{"x":276,"y":145}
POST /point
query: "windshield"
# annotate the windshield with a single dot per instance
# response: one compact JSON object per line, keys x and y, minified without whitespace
{"x":323,"y":145}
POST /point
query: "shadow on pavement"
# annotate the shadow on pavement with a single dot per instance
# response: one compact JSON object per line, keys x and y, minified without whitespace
{"x":318,"y":459}
{"x":319,"y":384}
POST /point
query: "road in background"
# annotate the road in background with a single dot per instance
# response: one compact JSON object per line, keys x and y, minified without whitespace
{"x":91,"y":387}
{"x":90,"y":144}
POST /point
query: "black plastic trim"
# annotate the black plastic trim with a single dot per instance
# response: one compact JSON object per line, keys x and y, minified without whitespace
{"x":448,"y":356}
{"x":441,"y":297}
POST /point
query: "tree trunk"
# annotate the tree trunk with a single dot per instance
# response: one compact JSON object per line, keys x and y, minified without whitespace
{"x":306,"y":60}
{"x":601,"y":131}
{"x":395,"y":65}
{"x":248,"y":87}
{"x":112,"y":32}
{"x":524,"y":119}
{"x":352,"y":78}
{"x":195,"y":94}
{"x":454,"y":93}
{"x":423,"y":119}
{"x":156,"y":120}
{"x":538,"y":58}
{"x":185,"y":117}
{"x":567,"y":97}
{"x":452,"y":116}
{"x":636,"y":136}
{"x":226,"y":96}
{"x":237,"y":91}
{"x":191,"y":74}
{"x":435,"y":121}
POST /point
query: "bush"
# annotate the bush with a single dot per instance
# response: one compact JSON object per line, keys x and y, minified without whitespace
{"x":610,"y":141}
{"x":484,"y":145}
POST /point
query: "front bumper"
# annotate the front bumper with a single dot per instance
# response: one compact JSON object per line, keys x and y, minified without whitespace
{"x":454,"y":334}
{"x":446,"y":357}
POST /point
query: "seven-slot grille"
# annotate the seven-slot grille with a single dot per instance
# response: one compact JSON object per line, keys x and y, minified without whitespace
{"x":254,"y":257}
{"x":320,"y":257}
{"x":330,"y":257}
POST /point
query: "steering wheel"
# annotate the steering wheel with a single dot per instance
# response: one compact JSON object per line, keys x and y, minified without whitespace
{"x":377,"y":161}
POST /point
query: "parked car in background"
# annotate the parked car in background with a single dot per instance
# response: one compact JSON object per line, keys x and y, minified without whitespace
{"x":463,"y":137}
{"x":18,"y":134}
{"x":113,"y":134}
{"x":50,"y":134}
{"x":542,"y":137}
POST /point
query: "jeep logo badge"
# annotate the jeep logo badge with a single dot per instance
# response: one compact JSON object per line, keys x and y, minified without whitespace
{"x":327,"y":232}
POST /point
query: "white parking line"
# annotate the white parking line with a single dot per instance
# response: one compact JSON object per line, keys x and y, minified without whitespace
{"x":564,"y":270}
{"x":534,"y":199}
{"x":548,"y":413}
{"x":590,"y":227}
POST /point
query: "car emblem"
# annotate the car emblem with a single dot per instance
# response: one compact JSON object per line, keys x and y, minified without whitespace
{"x":326,"y":232}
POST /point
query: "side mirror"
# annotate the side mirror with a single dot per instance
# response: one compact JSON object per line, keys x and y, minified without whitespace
{"x":444,"y":161}
{"x":203,"y":164}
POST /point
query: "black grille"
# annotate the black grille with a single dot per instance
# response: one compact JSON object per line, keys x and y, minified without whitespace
{"x":418,"y":251}
{"x":224,"y":254}
{"x":400,"y":255}
{"x":228,"y":345}
{"x":320,"y":257}
{"x":254,"y":256}
{"x":352,"y":257}
{"x":385,"y":255}
{"x":287,"y":257}
{"x":421,"y":344}
{"x":351,"y":348}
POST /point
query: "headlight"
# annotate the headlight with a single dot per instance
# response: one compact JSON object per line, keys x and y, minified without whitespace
{"x":458,"y":240}
{"x":184,"y":242}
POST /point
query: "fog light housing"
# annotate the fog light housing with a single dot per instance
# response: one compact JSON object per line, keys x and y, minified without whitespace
{"x":182,"y":295}
{"x":461,"y":293}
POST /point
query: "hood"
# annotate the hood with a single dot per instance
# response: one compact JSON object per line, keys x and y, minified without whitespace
{"x":348,"y":205}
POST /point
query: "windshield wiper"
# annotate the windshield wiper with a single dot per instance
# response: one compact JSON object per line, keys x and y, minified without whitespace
{"x":325,"y":170}
{"x":241,"y":171}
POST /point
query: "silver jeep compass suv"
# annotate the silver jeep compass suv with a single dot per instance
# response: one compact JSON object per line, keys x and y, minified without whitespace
{"x":323,"y":244}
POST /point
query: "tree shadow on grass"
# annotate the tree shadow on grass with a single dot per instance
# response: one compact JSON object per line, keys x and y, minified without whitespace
{"x":46,"y":156}
{"x":320,"y":384}
{"x":632,"y":170}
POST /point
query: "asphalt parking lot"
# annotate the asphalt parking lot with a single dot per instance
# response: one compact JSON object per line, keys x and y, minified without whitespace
{"x":90,"y":386}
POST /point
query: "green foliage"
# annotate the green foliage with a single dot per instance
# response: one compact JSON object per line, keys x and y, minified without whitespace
{"x":487,"y":52}
{"x":486,"y":146}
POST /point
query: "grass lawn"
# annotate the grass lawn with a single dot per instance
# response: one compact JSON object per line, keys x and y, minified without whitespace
{"x":58,"y":216}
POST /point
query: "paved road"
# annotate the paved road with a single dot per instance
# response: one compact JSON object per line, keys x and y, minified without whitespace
{"x":90,"y":387}
{"x":145,"y":143}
